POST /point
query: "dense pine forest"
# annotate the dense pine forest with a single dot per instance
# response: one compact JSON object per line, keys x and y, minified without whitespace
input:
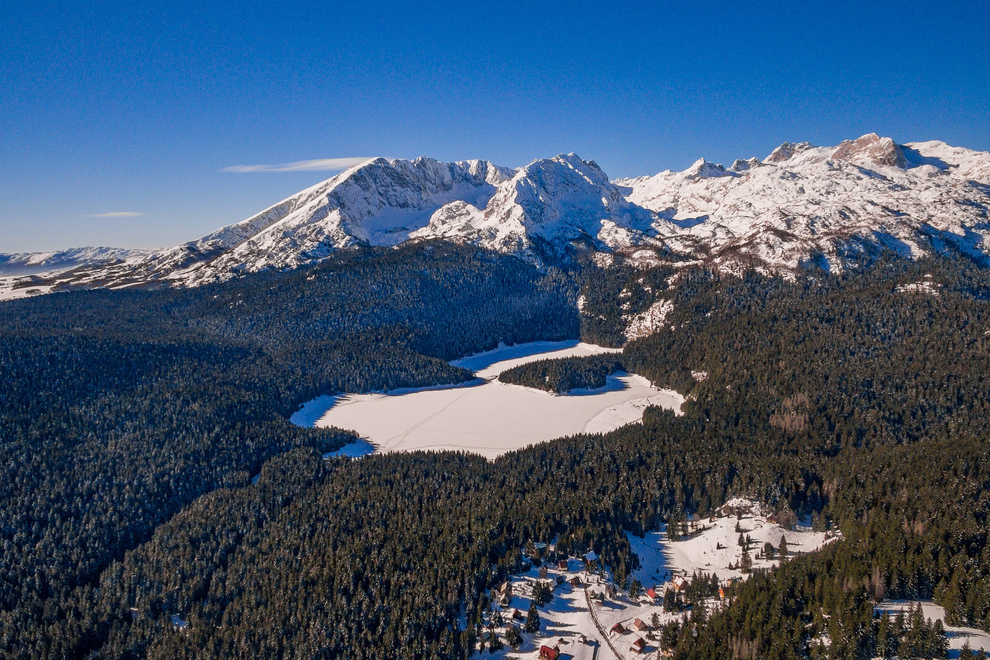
{"x":562,"y":375}
{"x":122,"y":408}
{"x":132,"y":423}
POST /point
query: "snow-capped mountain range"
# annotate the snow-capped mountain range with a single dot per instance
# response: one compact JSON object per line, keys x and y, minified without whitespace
{"x":801,"y":205}
{"x":32,"y":263}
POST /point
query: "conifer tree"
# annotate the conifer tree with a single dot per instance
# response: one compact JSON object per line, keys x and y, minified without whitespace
{"x":532,"y":624}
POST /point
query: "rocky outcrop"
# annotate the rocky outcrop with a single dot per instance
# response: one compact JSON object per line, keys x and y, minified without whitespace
{"x":872,"y":150}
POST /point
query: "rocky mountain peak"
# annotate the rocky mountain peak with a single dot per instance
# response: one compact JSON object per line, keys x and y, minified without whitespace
{"x":872,"y":150}
{"x":786,"y":151}
{"x":745,"y":165}
{"x":702,"y":169}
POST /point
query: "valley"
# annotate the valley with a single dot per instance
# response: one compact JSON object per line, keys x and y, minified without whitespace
{"x":509,"y":331}
{"x":184,"y":453}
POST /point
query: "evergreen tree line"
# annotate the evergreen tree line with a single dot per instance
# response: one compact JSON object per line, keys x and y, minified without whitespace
{"x":561,"y":375}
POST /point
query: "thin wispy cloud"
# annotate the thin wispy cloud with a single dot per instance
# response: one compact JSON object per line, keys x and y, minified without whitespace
{"x":318,"y":165}
{"x":116,"y":214}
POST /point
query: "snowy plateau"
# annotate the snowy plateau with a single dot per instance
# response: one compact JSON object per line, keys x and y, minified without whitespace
{"x":800,"y":207}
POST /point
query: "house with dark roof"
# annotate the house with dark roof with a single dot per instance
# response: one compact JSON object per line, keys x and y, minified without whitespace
{"x":503,"y":593}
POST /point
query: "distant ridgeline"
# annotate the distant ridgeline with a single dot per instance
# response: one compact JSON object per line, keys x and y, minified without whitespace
{"x":561,"y":375}
{"x":132,"y":422}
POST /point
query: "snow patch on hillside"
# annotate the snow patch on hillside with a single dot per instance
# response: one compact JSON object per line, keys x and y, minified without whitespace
{"x":648,"y":322}
{"x":13,"y":288}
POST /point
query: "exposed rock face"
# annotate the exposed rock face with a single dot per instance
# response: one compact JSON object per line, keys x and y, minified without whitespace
{"x":744,"y":165}
{"x":787,"y":151}
{"x":871,"y":150}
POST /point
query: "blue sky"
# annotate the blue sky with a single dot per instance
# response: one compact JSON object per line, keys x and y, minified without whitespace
{"x":141,"y":108}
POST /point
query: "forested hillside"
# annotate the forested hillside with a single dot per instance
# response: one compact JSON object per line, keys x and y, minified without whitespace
{"x":857,"y":399}
{"x":121,"y":408}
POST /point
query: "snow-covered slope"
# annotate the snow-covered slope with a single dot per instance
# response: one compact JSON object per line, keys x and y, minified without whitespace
{"x":801,"y":206}
{"x":380,"y":202}
{"x":823,"y":205}
{"x":551,"y":202}
{"x":33,"y":263}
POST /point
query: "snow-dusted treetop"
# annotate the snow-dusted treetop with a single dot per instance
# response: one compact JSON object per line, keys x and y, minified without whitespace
{"x":800,"y":205}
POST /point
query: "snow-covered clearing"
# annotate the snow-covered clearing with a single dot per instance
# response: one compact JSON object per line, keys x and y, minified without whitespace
{"x":568,"y":621}
{"x":958,"y":637}
{"x":591,"y":609}
{"x":925,"y":286}
{"x":485,"y":416}
{"x":11,"y":288}
{"x":714,"y":546}
{"x":354,"y":450}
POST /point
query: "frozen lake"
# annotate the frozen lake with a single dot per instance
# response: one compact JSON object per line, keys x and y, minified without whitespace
{"x":485,"y":416}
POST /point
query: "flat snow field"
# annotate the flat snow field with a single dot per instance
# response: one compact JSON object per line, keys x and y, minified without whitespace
{"x":485,"y":416}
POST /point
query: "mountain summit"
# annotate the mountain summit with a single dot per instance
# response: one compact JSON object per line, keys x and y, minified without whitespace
{"x":800,"y":206}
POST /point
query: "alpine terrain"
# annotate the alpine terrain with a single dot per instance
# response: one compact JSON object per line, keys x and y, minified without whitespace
{"x":800,"y":207}
{"x":435,"y":410}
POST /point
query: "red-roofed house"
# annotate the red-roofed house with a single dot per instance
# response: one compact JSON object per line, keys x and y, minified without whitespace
{"x":547,"y":653}
{"x":640,"y":625}
{"x":639,"y":645}
{"x":618,"y":629}
{"x":651,"y":593}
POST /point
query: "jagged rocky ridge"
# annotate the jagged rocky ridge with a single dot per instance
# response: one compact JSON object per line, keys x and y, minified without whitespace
{"x":802,"y":206}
